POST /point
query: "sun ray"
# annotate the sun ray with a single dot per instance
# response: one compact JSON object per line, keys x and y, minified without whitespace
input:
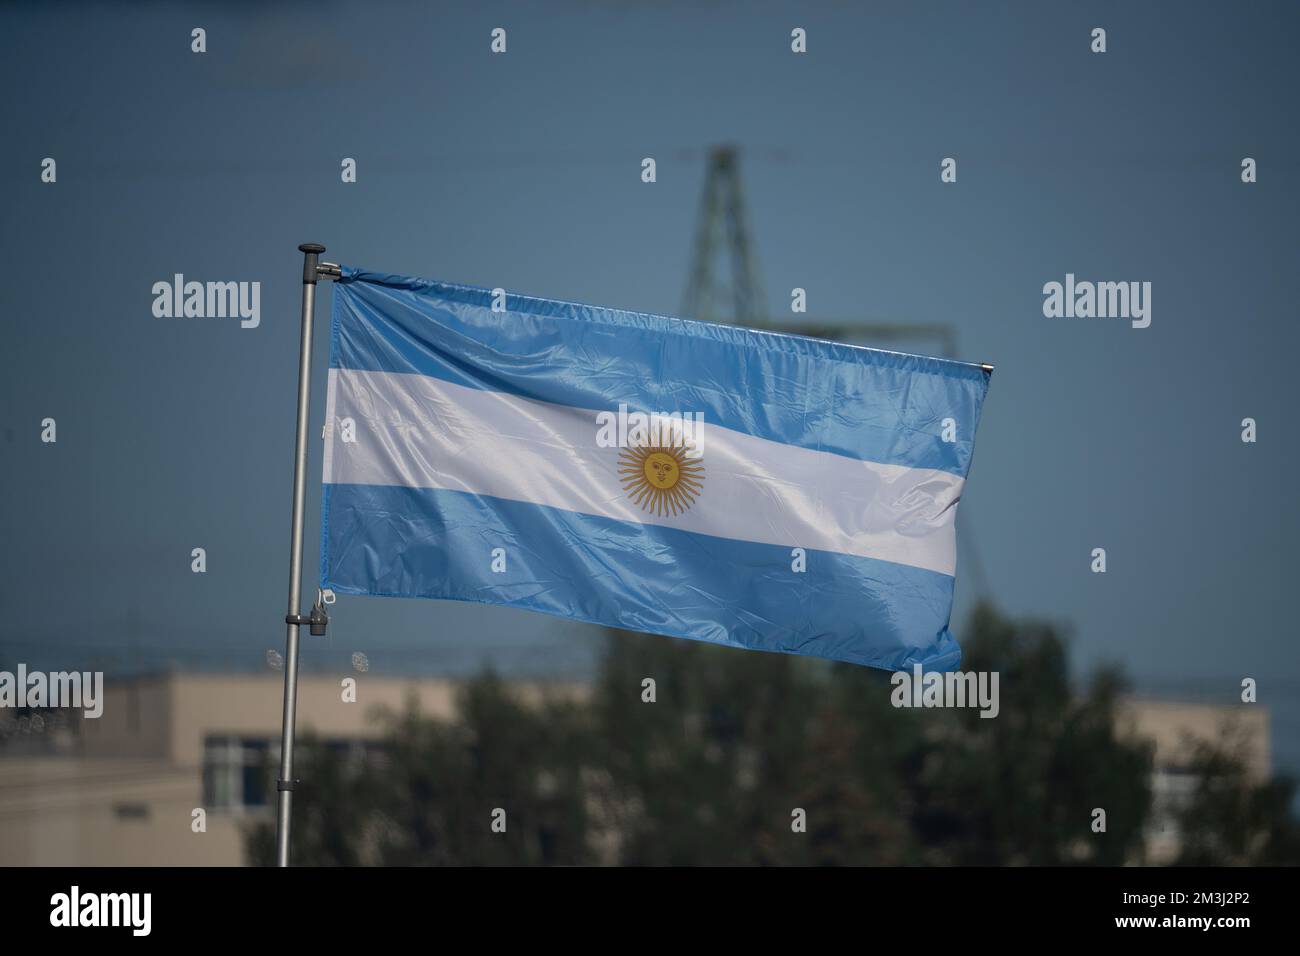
{"x":658,"y":475}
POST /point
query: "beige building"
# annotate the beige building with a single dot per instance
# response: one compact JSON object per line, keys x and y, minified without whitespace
{"x":1175,"y":730}
{"x":122,"y":790}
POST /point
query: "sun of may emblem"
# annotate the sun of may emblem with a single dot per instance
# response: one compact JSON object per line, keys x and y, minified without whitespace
{"x":660,"y":476}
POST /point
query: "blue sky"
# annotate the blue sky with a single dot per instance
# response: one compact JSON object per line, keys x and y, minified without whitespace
{"x":523,"y":171}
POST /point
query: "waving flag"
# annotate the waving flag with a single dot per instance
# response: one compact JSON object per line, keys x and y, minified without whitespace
{"x":747,"y":488}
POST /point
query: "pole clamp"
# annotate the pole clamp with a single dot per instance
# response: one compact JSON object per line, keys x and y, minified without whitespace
{"x":317,"y":621}
{"x":283,"y":786}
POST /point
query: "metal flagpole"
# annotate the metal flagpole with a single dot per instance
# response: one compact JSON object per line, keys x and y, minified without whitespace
{"x":312,"y":270}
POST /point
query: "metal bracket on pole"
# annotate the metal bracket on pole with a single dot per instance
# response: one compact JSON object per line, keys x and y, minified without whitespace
{"x":318,"y":620}
{"x":312,"y":270}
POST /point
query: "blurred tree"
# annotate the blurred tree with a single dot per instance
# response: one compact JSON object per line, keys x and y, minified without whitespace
{"x":715,"y":770}
{"x":330,"y":810}
{"x":704,"y":773}
{"x":737,"y":741}
{"x":428,"y":796}
{"x":1231,"y":819}
{"x":501,"y":752}
{"x":1021,"y":788}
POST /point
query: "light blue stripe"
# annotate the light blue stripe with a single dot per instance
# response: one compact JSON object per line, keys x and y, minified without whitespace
{"x":420,"y":542}
{"x":862,"y":403}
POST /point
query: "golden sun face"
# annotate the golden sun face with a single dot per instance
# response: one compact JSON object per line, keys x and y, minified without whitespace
{"x":660,"y":477}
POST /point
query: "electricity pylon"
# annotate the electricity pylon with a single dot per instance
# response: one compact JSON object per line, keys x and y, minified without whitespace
{"x":724,"y":228}
{"x":736,"y":296}
{"x":712,"y":295}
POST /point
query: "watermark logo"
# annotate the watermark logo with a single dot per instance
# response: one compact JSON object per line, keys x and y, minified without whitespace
{"x":179,"y":299}
{"x":624,"y":429}
{"x":1100,"y":300}
{"x":74,"y":689}
{"x":75,"y":908}
{"x":953,"y":689}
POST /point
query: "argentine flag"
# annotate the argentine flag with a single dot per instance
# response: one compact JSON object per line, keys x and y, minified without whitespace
{"x":747,"y":488}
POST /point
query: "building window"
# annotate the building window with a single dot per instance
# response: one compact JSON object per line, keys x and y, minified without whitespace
{"x":1172,"y":790}
{"x":237,"y":772}
{"x":131,"y":811}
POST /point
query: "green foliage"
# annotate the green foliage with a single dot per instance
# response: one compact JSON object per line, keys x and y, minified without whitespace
{"x":711,"y":772}
{"x":427,"y":798}
{"x":1020,"y":788}
{"x":1233,"y":819}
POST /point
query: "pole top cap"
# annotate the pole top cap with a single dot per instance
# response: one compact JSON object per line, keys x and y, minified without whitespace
{"x":315,"y":247}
